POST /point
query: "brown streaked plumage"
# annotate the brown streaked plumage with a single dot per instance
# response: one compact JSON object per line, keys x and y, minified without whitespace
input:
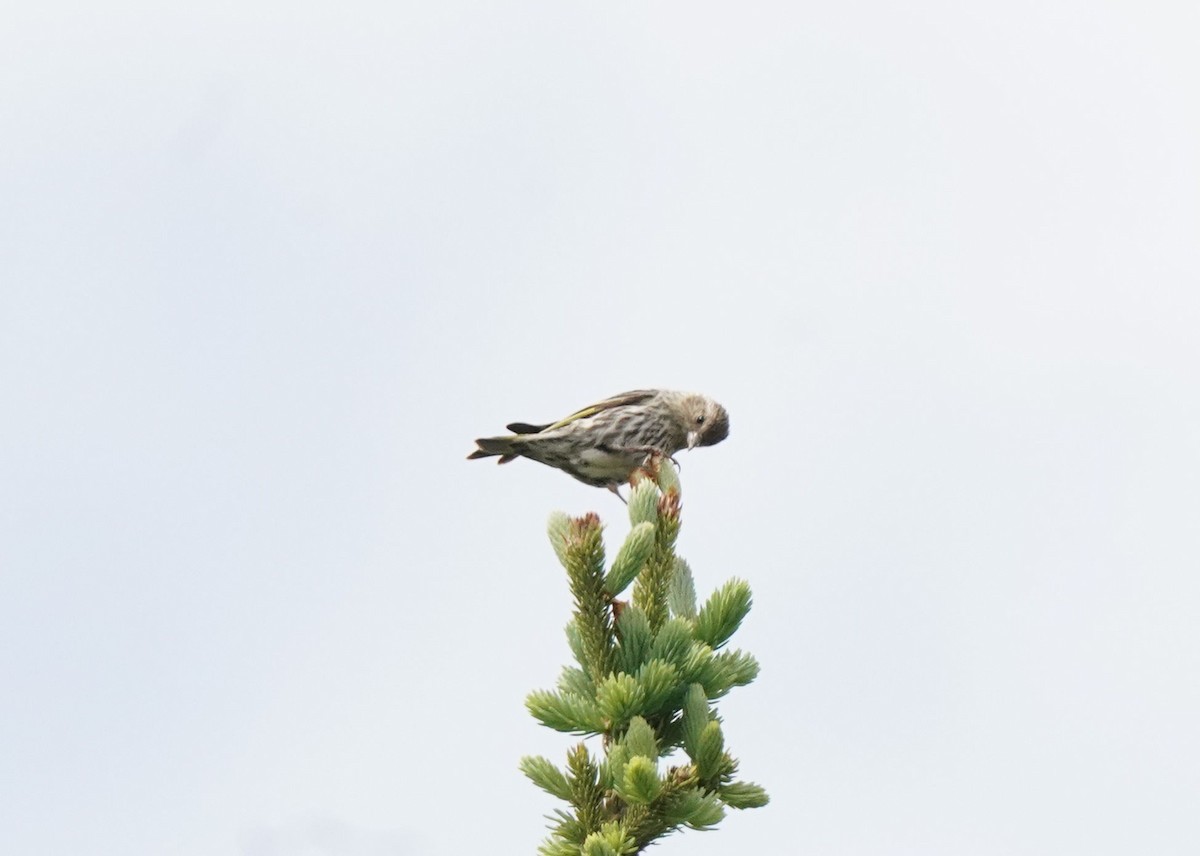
{"x":603,"y":444}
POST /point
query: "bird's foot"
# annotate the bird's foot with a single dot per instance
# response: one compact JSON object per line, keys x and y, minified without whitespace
{"x":652,"y":452}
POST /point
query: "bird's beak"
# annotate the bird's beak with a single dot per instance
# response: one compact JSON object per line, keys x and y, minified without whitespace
{"x":693,"y":439}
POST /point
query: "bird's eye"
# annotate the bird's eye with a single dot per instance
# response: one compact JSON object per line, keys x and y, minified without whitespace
{"x":700,"y":419}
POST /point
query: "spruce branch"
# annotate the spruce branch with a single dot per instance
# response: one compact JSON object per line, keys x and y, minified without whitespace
{"x":650,"y":590}
{"x":723,"y":613}
{"x":593,"y":616}
{"x":631,"y":558}
{"x":645,"y":678}
{"x":681,"y":593}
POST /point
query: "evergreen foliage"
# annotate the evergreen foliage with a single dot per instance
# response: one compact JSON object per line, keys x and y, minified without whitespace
{"x":647,"y":674}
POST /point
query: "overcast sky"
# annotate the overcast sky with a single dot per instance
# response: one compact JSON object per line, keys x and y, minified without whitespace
{"x":266,"y":270}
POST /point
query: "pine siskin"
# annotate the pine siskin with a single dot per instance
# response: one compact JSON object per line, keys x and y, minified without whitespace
{"x":603,"y":444}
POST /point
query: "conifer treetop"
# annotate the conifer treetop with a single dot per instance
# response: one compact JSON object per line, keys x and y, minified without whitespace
{"x":646,"y":674}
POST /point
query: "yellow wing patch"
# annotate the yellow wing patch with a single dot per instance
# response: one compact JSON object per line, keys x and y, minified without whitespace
{"x":637,"y":396}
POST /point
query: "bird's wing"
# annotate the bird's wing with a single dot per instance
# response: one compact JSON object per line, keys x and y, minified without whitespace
{"x":637,"y":396}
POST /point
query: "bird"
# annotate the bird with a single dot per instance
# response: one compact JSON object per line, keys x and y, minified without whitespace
{"x":603,"y":444}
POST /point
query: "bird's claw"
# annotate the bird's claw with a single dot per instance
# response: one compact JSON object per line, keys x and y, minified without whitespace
{"x":652,"y":453}
{"x":649,"y":467}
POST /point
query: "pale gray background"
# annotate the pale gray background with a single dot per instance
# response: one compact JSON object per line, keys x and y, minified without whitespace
{"x":267,"y":269}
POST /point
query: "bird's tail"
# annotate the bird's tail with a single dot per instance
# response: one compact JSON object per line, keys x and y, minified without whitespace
{"x":507,"y":448}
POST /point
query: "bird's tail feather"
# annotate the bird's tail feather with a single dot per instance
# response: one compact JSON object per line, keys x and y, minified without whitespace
{"x":526,"y":428}
{"x":490,"y":447}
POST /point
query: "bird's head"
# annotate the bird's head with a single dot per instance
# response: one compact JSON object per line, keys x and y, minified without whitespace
{"x":707,"y":422}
